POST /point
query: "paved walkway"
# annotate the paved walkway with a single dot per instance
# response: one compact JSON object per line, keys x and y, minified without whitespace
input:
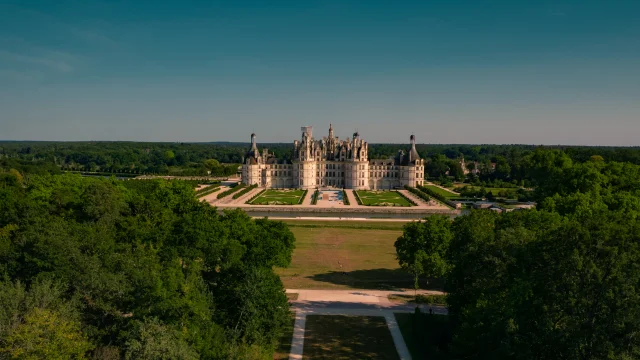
{"x":351,"y":303}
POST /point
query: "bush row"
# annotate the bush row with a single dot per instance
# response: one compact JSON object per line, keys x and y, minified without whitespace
{"x":233,"y":189}
{"x":355,"y":193}
{"x":315,"y":197}
{"x":255,"y":196}
{"x":437,"y":196}
{"x":345,"y":199}
{"x":304,"y":194}
{"x":413,"y":203}
{"x":244,"y":191}
{"x":418,"y":193}
{"x":207,"y":190}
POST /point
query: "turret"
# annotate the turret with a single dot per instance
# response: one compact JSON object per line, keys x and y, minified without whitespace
{"x":254,"y":146}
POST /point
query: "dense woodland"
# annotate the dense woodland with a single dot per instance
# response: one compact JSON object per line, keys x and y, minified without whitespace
{"x":108,"y":269}
{"x":559,"y":282}
{"x":138,"y":269}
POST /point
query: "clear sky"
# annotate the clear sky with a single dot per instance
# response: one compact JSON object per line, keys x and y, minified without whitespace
{"x":536,"y":72}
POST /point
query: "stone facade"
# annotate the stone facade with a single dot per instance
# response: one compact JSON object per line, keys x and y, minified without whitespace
{"x":331,"y":162}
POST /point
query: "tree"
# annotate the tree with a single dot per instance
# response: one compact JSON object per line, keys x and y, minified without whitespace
{"x":422,"y":248}
{"x":45,"y":335}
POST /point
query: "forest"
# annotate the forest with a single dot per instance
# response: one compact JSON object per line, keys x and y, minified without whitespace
{"x":558,"y":282}
{"x":139,"y":269}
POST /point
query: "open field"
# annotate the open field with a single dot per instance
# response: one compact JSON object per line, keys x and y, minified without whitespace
{"x":343,"y":258}
{"x":382,"y":198}
{"x":442,"y":192}
{"x":427,"y":340}
{"x":348,"y":337}
{"x":347,"y":224}
{"x":279,"y":197}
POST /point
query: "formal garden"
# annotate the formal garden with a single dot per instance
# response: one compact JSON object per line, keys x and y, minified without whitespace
{"x":279,"y":197}
{"x":381,"y":198}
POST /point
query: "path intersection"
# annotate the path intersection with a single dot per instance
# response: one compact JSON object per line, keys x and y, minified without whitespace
{"x":352,"y":303}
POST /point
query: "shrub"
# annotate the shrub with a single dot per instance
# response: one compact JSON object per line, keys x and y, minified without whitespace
{"x":304,"y":194}
{"x":234,"y":188}
{"x":345,"y":199}
{"x":418,"y":193}
{"x":413,"y":203}
{"x":315,"y":197}
{"x":255,"y":196}
{"x":244,"y":191}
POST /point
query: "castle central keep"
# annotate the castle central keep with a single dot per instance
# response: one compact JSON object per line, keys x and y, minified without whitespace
{"x":332,"y":162}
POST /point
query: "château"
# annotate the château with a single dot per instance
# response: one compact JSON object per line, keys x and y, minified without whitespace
{"x":331,"y":162}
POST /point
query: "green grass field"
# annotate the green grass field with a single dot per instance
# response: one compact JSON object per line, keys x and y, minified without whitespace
{"x":346,"y":258}
{"x":382,"y":198}
{"x":278,"y":197}
{"x":346,"y":224}
{"x":442,"y":192}
{"x":348,"y":337}
{"x":494,"y":191}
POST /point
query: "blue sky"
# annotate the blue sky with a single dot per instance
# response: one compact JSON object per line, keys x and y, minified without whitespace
{"x":536,"y":72}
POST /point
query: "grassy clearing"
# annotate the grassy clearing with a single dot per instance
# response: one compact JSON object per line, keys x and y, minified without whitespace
{"x":348,"y":337}
{"x":382,"y":198}
{"x":445,"y":193}
{"x":340,"y":258}
{"x":283,"y":348}
{"x":279,"y":197}
{"x":427,"y":336}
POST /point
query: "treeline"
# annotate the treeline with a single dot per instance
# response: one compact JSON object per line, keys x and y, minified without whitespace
{"x":139,"y":269}
{"x":559,"y":282}
{"x":190,"y":159}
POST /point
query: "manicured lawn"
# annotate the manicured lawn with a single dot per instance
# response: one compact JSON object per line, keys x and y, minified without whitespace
{"x":428,"y":337}
{"x":382,"y":198}
{"x":442,"y":192}
{"x":494,"y":191}
{"x":279,"y":197}
{"x":339,"y":258}
{"x":348,"y":337}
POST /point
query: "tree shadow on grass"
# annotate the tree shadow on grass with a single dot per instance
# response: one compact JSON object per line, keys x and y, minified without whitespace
{"x":378,"y":279}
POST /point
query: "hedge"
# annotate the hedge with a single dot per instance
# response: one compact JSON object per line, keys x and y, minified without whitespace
{"x":437,"y":196}
{"x":413,"y":203}
{"x":345,"y":199}
{"x":355,"y":193}
{"x":207,"y":191}
{"x":417,"y":193}
{"x":255,"y":196}
{"x":244,"y":191}
{"x":233,"y":189}
{"x":304,"y":194}
{"x":315,"y":197}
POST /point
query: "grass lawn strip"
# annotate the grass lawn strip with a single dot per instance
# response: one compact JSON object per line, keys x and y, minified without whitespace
{"x":445,"y":193}
{"x":279,"y":197}
{"x":348,"y":337}
{"x":343,"y":258}
{"x":382,"y":198}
